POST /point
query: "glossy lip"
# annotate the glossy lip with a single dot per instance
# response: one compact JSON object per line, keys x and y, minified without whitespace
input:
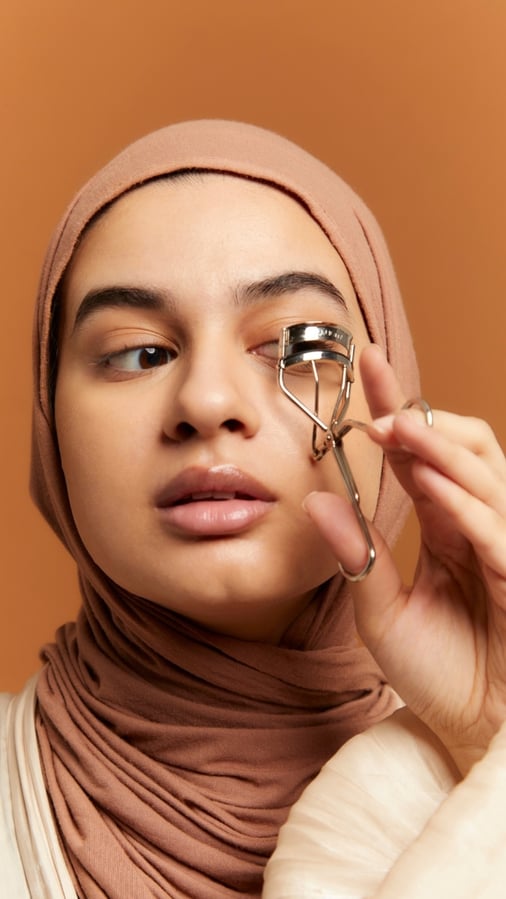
{"x":213,"y":502}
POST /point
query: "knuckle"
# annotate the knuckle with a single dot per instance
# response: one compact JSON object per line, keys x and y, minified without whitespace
{"x":483,"y":432}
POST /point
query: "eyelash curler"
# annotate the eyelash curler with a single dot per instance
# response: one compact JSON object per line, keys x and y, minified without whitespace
{"x":301,"y":348}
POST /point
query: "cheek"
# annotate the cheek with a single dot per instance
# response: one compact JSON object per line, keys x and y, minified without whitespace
{"x":102,"y":477}
{"x":99,"y":459}
{"x":365,"y":459}
{"x":366,"y":462}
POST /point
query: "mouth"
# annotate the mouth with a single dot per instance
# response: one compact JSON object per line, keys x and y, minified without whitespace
{"x":213,"y":502}
{"x":214,"y":496}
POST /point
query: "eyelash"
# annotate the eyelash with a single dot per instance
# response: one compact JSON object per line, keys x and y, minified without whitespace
{"x":108,"y":361}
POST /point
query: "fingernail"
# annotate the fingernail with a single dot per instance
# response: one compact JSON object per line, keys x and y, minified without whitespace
{"x":309,"y":495}
{"x":383,"y":425}
{"x":377,"y":349}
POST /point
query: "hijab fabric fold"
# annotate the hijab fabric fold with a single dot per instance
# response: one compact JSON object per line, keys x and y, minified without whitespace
{"x":172,"y":755}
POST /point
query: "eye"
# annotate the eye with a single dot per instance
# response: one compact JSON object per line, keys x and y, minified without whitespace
{"x":140,"y":358}
{"x":268,"y":350}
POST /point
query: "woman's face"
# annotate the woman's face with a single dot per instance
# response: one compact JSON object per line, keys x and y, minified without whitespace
{"x":185,"y":465}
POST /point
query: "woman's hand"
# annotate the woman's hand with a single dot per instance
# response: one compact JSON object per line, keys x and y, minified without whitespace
{"x":441,"y":642}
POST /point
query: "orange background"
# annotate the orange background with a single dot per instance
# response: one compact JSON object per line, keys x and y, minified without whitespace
{"x":405,"y":98}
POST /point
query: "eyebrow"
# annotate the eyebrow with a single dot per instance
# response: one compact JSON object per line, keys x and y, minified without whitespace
{"x":155,"y":300}
{"x":291,"y":282}
{"x":118,"y":297}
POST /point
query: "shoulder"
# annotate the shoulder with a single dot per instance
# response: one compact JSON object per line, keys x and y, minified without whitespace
{"x":31,"y":847}
{"x":13,"y":878}
{"x":367,"y":804}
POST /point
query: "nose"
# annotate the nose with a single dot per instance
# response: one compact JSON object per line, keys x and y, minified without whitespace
{"x":215,"y":393}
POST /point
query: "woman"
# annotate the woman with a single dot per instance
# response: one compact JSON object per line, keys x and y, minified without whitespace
{"x":214,"y":666}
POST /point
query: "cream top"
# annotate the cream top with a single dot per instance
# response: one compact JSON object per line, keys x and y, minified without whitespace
{"x":387,"y":818}
{"x":32,"y":865}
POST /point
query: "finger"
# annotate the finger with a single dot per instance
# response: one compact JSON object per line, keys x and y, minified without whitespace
{"x":477,"y":521}
{"x":473,"y":433}
{"x":461,"y":464}
{"x":456,"y":492}
{"x":386,"y":400}
{"x":382,"y":389}
{"x":378,"y":595}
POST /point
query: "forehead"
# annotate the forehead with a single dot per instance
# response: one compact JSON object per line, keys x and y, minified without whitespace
{"x":205,"y":227}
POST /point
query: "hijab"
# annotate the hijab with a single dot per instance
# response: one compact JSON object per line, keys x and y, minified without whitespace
{"x":172,"y":754}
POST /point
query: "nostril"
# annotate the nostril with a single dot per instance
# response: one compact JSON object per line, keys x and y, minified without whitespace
{"x":185,"y":430}
{"x":232,"y":424}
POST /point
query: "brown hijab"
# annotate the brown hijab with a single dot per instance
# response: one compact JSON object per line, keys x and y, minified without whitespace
{"x":171,"y":754}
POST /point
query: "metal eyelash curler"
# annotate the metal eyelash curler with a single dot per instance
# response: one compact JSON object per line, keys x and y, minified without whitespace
{"x":310,"y":343}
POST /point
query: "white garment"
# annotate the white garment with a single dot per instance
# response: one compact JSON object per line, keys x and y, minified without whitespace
{"x":32,"y":865}
{"x":387,"y":818}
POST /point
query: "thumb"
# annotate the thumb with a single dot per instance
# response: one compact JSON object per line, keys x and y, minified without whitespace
{"x":376,"y":598}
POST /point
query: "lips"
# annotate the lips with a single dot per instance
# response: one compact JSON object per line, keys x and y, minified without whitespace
{"x":213,"y":502}
{"x":216,"y":495}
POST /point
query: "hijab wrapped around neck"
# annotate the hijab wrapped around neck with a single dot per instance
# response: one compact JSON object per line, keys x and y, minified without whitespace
{"x":172,"y":754}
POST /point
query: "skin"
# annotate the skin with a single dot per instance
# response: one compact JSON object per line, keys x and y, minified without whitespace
{"x":440,"y":641}
{"x":125,"y":433}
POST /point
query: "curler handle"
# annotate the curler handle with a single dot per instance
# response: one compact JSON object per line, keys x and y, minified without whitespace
{"x":352,"y":490}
